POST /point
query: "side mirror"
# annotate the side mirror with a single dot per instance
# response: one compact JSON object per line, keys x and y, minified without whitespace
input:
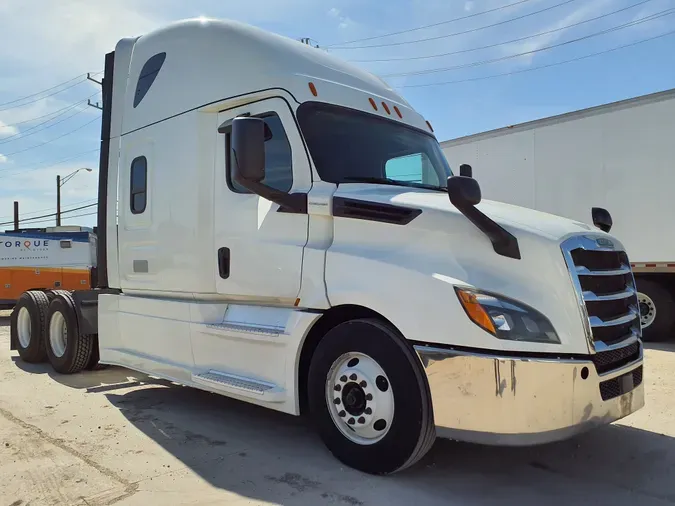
{"x":248,"y":146}
{"x":601,"y":218}
{"x":465,"y":170}
{"x":463,"y":191}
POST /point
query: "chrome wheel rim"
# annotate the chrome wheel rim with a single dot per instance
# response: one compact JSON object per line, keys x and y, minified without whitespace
{"x":58,"y":334}
{"x":23,"y":327}
{"x":647,"y":310}
{"x":360,"y":398}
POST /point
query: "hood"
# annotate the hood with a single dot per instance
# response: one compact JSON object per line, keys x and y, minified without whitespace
{"x":509,"y":216}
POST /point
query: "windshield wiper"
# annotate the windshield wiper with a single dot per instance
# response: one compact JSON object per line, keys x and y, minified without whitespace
{"x":392,"y":182}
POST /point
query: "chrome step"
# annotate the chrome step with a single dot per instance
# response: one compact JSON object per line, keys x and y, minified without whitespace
{"x":246,"y":329}
{"x":241,"y":385}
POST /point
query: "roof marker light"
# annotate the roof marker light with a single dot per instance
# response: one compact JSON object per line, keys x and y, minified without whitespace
{"x":372,"y":102}
{"x":386,"y":108}
{"x":312,"y":88}
{"x":398,"y":112}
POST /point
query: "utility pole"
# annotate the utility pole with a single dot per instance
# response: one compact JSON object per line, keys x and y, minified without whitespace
{"x":89,"y":102}
{"x":59,"y":183}
{"x":16,"y":215}
{"x":58,"y":201}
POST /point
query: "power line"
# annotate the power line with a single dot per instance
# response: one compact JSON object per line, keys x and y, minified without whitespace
{"x":51,"y":208}
{"x":51,"y":215}
{"x":52,"y":140}
{"x":538,"y":50}
{"x":34,"y":129}
{"x":408,"y":58}
{"x":510,"y":20}
{"x":41,"y":92}
{"x":475,"y":14}
{"x":63,"y":218}
{"x":530,"y":69}
{"x":53,"y":113}
{"x":39,"y":165}
{"x":41,"y":98}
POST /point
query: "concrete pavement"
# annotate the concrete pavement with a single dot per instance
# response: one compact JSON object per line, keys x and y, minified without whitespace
{"x":118,"y":437}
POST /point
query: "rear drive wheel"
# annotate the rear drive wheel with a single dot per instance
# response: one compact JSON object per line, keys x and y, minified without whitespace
{"x":657,"y":310}
{"x":27,"y":325}
{"x":67,"y":350}
{"x":369,"y":398}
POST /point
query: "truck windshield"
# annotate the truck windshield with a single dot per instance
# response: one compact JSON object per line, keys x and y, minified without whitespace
{"x":352,"y":146}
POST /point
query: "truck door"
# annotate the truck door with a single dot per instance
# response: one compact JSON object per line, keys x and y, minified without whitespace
{"x":259,"y":250}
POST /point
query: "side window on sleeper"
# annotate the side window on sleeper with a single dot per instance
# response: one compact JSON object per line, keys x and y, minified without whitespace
{"x":278,"y":158}
{"x":139,"y":185}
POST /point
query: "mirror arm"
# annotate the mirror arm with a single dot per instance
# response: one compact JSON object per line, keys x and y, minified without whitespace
{"x":288,"y":202}
{"x":503,"y":242}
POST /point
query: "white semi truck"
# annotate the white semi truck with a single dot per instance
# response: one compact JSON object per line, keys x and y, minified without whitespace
{"x":271,"y":246}
{"x":618,"y":156}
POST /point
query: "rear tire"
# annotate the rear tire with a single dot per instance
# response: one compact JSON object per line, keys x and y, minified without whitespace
{"x":369,"y":398}
{"x":657,"y":309}
{"x":27,"y":326}
{"x":67,"y":350}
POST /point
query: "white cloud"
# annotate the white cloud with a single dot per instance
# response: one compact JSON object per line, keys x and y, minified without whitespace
{"x":334,"y":11}
{"x":3,"y":158}
{"x":468,"y":6}
{"x":7,"y":130}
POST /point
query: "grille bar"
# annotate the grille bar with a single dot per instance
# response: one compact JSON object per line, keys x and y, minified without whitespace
{"x":585,"y":271}
{"x":592,"y":296}
{"x":621,"y":320}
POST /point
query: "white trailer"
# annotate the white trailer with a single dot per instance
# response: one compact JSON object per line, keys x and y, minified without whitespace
{"x":271,"y":246}
{"x":619,"y":156}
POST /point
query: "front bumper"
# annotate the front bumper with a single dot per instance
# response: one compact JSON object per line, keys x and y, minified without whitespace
{"x":492,"y":399}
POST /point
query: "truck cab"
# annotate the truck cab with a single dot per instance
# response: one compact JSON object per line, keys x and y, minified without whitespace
{"x":280,"y":227}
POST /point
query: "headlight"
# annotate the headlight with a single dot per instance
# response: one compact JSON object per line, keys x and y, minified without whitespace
{"x":505,"y":318}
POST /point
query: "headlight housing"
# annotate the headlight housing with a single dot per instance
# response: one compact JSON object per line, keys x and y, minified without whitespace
{"x":505,"y":318}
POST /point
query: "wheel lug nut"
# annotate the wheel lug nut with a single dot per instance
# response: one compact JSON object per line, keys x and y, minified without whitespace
{"x":353,"y":377}
{"x":337,"y":388}
{"x":337,"y":400}
{"x":343,"y":378}
{"x":351,"y":421}
{"x":368,"y":411}
{"x":342,"y":414}
{"x":363,"y":384}
{"x":369,"y":397}
{"x":362,"y":420}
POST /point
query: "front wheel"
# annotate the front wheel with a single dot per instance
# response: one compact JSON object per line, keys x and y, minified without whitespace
{"x":369,"y":398}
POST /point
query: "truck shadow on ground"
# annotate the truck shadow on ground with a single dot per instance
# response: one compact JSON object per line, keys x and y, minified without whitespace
{"x":99,"y":381}
{"x":278,"y":458}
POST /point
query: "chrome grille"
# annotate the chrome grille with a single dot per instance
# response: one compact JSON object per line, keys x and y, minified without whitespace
{"x":605,"y":289}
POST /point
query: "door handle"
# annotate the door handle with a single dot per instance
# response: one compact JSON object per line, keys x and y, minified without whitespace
{"x":224,"y":262}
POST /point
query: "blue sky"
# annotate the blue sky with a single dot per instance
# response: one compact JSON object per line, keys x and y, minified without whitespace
{"x":47,"y":42}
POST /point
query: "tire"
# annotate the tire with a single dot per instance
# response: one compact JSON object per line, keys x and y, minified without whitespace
{"x":27,"y":326}
{"x":72,"y":354}
{"x":411,"y":431}
{"x":660,"y":300}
